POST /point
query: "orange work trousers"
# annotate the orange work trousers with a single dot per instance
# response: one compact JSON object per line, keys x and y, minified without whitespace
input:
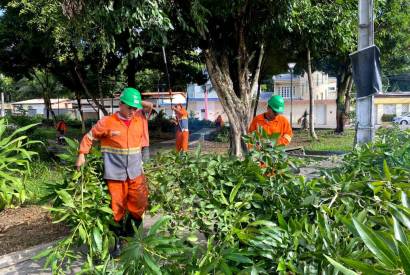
{"x":182,"y":141}
{"x":131,"y":195}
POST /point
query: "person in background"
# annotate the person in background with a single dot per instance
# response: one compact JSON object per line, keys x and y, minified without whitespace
{"x":219,"y":123}
{"x":61,"y":128}
{"x":182,"y":133}
{"x":273,"y":122}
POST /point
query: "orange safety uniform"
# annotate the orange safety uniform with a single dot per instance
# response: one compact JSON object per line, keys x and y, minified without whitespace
{"x":182,"y":134}
{"x":122,"y":163}
{"x":279,"y":124}
{"x":61,"y":127}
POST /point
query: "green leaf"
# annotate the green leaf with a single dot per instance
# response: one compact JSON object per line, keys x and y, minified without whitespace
{"x":83,"y":235}
{"x":386,"y":170}
{"x":404,"y":253}
{"x":365,"y":268}
{"x":239,"y":258}
{"x":97,"y":238}
{"x":234,"y":192}
{"x":154,"y":228}
{"x":151,"y":264}
{"x":340,"y":267}
{"x":398,"y":231}
{"x":376,"y":244}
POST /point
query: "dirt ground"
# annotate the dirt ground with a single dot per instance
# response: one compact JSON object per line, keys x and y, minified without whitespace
{"x":27,"y":226}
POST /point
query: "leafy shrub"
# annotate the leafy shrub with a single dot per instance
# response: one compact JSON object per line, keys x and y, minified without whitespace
{"x":22,"y":121}
{"x":161,"y":123}
{"x":14,"y":165}
{"x":256,"y":214}
{"x":387,"y":117}
{"x":222,"y":135}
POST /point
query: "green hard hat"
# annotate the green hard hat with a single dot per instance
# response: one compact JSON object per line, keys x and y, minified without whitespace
{"x":277,"y":104}
{"x":131,"y":97}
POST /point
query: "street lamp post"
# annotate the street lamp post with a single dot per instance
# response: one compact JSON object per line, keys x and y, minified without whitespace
{"x":291,"y":66}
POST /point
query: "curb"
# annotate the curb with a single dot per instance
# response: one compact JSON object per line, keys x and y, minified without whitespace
{"x":17,"y":257}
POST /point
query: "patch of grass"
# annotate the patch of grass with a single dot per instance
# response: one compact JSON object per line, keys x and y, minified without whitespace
{"x":41,"y":173}
{"x":328,"y":140}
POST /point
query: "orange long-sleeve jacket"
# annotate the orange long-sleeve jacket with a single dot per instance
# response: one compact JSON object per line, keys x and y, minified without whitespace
{"x":121,"y":153}
{"x":279,"y":124}
{"x":182,"y":118}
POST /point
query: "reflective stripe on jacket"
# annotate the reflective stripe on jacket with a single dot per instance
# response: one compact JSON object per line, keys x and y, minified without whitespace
{"x":182,"y":117}
{"x":122,"y":153}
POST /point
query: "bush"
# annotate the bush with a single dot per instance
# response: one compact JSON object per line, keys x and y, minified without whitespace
{"x":196,"y":124}
{"x":160,"y":123}
{"x":387,"y":117}
{"x":15,"y":158}
{"x":22,"y":121}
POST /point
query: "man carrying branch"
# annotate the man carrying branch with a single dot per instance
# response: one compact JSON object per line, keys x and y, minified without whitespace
{"x":121,"y":136}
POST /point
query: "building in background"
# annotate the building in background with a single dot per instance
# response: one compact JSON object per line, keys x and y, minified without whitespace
{"x":34,"y":107}
{"x":203,"y":101}
{"x":393,"y":104}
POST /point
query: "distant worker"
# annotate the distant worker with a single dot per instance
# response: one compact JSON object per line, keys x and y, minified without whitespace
{"x":303,"y":121}
{"x":61,"y":128}
{"x":182,"y":133}
{"x":219,"y":123}
{"x":273,"y":122}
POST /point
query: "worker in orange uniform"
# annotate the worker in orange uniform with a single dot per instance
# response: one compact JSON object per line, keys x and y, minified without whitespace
{"x":273,"y":122}
{"x":61,"y":128}
{"x":182,"y":134}
{"x":121,"y":135}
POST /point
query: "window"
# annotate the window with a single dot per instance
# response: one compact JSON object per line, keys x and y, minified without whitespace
{"x":404,"y":109}
{"x":389,"y":109}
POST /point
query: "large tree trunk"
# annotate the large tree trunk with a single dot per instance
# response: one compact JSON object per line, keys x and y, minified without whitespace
{"x":80,"y":110}
{"x":344,"y":85}
{"x":236,"y":104}
{"x":311,"y":96}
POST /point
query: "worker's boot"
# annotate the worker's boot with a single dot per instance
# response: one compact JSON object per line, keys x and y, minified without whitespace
{"x":129,"y":229}
{"x":118,"y":230}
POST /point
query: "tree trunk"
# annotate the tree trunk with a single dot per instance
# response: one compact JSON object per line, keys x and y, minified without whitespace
{"x":255,"y":108}
{"x":87,"y":92}
{"x":80,"y":110}
{"x":100,"y":90}
{"x":236,"y":104}
{"x":311,"y":96}
{"x":342,"y":90}
{"x":131,"y":71}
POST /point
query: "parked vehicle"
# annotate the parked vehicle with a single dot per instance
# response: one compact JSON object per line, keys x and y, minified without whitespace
{"x":404,"y":119}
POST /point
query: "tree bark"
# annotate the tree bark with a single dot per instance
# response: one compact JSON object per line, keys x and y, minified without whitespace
{"x":255,"y":107}
{"x":343,"y":96}
{"x":311,"y":96}
{"x":237,"y":104}
{"x":80,"y":110}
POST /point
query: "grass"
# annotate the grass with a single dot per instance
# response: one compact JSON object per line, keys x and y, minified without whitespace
{"x":328,"y":140}
{"x":41,"y":172}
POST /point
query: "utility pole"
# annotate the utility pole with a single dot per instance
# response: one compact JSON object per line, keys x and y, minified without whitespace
{"x":2,"y":114}
{"x":291,"y":66}
{"x":365,"y":111}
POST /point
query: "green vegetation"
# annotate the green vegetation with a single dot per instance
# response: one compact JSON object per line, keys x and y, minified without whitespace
{"x":15,"y":158}
{"x":231,"y":216}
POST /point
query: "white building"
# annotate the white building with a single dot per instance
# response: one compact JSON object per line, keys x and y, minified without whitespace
{"x":33,"y":107}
